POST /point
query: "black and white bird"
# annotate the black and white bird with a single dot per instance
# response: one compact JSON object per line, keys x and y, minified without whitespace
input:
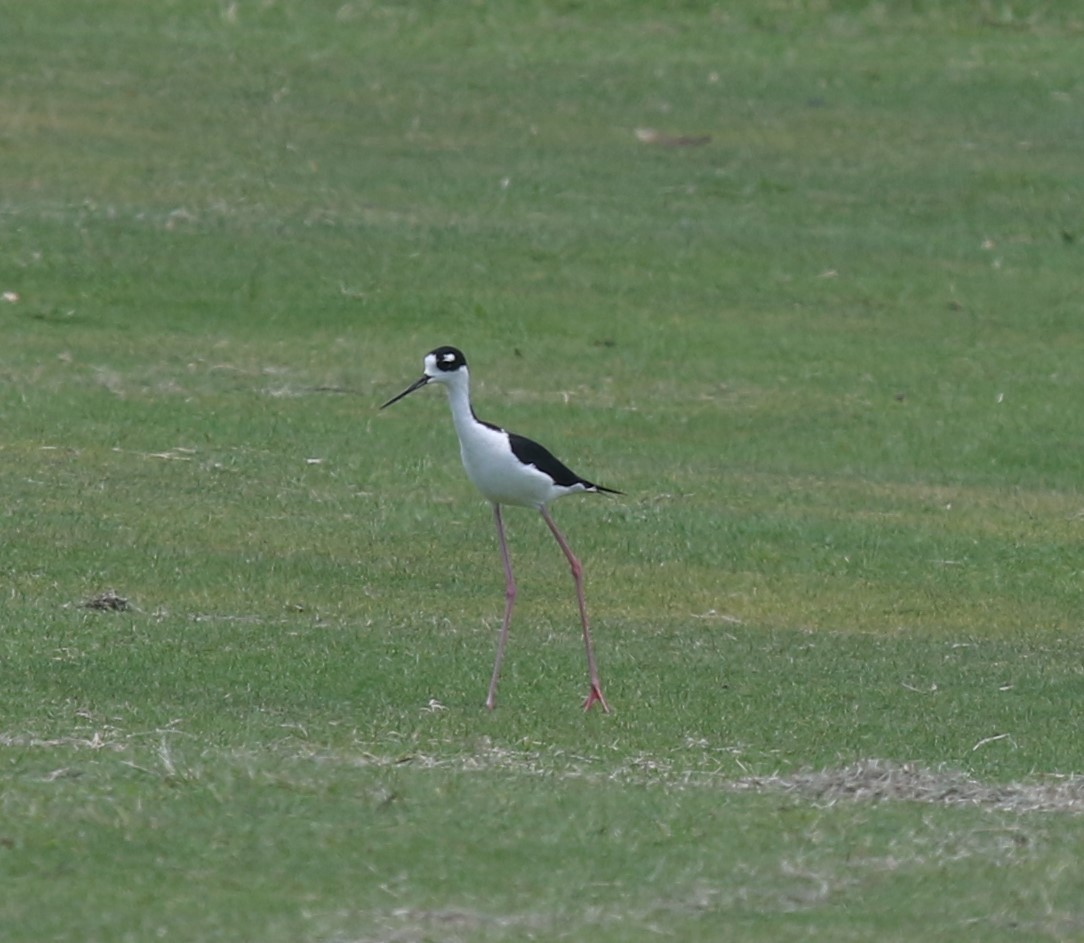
{"x":509,"y":469}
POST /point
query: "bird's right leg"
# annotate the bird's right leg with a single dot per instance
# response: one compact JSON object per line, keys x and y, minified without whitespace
{"x":509,"y":601}
{"x":595,"y":694}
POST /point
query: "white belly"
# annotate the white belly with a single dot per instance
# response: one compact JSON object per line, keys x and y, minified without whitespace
{"x":498,"y":474}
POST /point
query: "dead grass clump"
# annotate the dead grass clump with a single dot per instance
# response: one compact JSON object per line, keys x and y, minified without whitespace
{"x":108,"y":601}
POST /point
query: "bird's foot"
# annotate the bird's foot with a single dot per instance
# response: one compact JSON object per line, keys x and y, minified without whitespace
{"x":596,"y":695}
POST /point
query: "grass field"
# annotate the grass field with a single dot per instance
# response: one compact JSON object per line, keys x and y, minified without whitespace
{"x":820,"y":319}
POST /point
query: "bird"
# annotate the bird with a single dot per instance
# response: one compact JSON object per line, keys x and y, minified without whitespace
{"x":510,"y":469}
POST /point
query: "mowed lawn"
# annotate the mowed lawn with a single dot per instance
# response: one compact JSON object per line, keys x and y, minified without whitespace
{"x":802,"y":279}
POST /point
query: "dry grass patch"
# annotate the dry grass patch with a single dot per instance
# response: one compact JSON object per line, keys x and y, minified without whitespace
{"x":876,"y":780}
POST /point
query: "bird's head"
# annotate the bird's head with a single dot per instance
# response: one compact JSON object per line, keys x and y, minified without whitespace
{"x":444,"y":365}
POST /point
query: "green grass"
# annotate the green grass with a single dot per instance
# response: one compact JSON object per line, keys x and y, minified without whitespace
{"x":833,"y":356}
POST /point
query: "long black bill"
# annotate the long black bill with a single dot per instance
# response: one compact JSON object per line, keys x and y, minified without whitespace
{"x":416,"y":385}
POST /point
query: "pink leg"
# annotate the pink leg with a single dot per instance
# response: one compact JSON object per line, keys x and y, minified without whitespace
{"x":577,"y":576}
{"x":509,"y":600}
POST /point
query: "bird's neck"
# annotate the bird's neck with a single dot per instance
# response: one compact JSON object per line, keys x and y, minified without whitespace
{"x":462,"y":414}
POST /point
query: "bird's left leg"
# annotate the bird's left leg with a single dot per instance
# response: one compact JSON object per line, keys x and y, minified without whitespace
{"x":577,"y":576}
{"x":509,"y":601}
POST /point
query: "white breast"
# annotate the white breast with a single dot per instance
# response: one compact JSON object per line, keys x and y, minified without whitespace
{"x":496,"y":472}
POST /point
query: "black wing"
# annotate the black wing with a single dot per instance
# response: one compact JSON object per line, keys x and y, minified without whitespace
{"x":531,"y":453}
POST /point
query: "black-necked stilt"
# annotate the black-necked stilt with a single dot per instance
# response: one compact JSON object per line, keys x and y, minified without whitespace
{"x":509,"y":469}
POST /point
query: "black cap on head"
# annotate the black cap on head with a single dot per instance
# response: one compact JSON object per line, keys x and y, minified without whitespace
{"x":448,"y":359}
